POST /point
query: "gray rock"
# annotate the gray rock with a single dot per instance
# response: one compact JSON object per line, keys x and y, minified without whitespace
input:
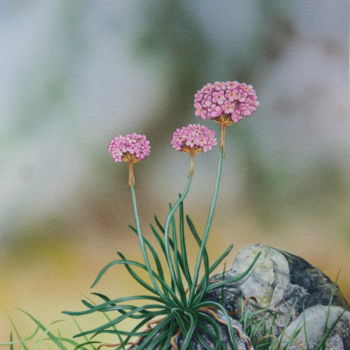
{"x":285,"y":289}
{"x":280,"y":282}
{"x":313,"y":324}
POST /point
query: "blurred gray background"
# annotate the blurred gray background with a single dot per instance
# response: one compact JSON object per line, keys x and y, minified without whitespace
{"x":76,"y":73}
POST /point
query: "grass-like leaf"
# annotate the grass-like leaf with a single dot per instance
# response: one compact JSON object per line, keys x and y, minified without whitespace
{"x":22,"y":340}
{"x":217,"y":333}
{"x":44,"y":334}
{"x":153,"y":251}
{"x":11,"y":340}
{"x":193,"y":323}
{"x":91,"y":343}
{"x":161,"y":281}
{"x":186,"y":269}
{"x":53,"y":338}
{"x":123,"y":317}
{"x":235,"y":279}
{"x":157,"y":329}
{"x":322,"y":343}
{"x":23,"y":345}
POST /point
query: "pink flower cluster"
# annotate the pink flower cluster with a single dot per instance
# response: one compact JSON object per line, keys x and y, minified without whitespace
{"x":193,"y":138}
{"x":229,"y":99}
{"x":129,"y":148}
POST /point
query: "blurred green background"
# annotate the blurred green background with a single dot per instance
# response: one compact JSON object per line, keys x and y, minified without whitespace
{"x":76,"y":73}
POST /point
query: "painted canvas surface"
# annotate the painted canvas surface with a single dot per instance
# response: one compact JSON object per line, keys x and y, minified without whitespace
{"x":76,"y":74}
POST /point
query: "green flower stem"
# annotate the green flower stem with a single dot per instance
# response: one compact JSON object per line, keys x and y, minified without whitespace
{"x":179,"y":283}
{"x":167,"y":227}
{"x":185,"y":269}
{"x":141,"y":240}
{"x":209,"y":220}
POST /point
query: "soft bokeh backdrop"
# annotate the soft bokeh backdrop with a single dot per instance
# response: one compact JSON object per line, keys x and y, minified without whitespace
{"x":76,"y":73}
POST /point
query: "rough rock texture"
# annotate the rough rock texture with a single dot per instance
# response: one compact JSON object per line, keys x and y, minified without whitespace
{"x":313,"y":323}
{"x":290,"y":291}
{"x":280,"y":282}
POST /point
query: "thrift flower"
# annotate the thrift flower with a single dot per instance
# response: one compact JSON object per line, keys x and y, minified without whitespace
{"x":130,"y":148}
{"x":193,"y":138}
{"x":225,"y":102}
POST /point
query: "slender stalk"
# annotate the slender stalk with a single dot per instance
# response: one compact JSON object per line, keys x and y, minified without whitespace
{"x":131,"y":180}
{"x":167,"y":225}
{"x":191,"y":164}
{"x":179,"y":282}
{"x":210,"y":215}
{"x":222,"y":136}
{"x":141,"y":240}
{"x":186,"y":270}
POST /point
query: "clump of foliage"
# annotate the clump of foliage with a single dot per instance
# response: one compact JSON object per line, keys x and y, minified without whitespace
{"x":176,"y":303}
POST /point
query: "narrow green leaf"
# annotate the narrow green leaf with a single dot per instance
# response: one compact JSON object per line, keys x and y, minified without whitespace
{"x":23,"y":340}
{"x":205,"y":345}
{"x":186,"y":269}
{"x":46,"y":332}
{"x":132,"y":333}
{"x":66,"y":340}
{"x":23,"y":346}
{"x":139,"y":279}
{"x":181,"y":322}
{"x":158,"y":237}
{"x":193,"y":322}
{"x":227,"y":319}
{"x":234,"y":279}
{"x":204,"y":329}
{"x":205,"y":236}
{"x":119,"y":262}
{"x":106,"y":299}
{"x":40,"y":325}
{"x":195,"y":234}
{"x":177,"y":256}
{"x":155,"y":330}
{"x":158,"y":339}
{"x":153,"y":251}
{"x":171,"y":331}
{"x":217,"y":336}
{"x":150,"y":271}
{"x":160,"y":226}
{"x":87,"y":343}
{"x":220,"y":259}
{"x":120,"y":300}
{"x":11,"y":341}
{"x":137,"y":264}
{"x":293,"y":337}
{"x":328,"y":331}
{"x":93,"y":309}
{"x":118,"y":319}
{"x":198,"y":240}
{"x":171,"y":243}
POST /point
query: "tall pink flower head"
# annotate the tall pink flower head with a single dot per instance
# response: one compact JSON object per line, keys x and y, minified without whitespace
{"x":193,"y":138}
{"x":226,"y":102}
{"x":129,"y":148}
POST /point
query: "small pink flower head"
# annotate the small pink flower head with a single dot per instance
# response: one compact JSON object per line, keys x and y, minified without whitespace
{"x":193,"y":138}
{"x":226,"y":102}
{"x":129,"y":148}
